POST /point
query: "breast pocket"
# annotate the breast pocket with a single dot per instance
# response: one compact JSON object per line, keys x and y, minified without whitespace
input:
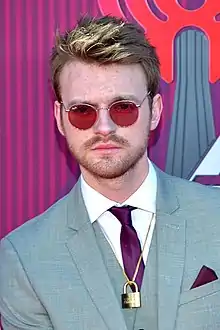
{"x":199,"y":308}
{"x":200,"y":292}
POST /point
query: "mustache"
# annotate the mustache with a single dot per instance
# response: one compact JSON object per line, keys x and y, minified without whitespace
{"x":111,"y":138}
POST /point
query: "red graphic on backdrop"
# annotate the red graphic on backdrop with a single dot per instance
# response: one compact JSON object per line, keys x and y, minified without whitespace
{"x":209,"y":180}
{"x":178,"y":18}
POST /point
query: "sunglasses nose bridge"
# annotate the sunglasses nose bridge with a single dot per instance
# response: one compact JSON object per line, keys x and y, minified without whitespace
{"x":104,"y":124}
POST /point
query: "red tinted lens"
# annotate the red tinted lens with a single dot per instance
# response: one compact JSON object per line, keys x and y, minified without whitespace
{"x":82,"y":116}
{"x":124,"y":113}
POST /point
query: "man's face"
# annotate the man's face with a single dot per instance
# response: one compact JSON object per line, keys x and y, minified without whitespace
{"x":106,"y":150}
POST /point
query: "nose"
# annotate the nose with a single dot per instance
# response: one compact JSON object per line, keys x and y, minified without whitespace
{"x":104,"y":124}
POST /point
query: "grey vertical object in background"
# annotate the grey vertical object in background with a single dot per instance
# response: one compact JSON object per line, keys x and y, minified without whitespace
{"x":192,"y":128}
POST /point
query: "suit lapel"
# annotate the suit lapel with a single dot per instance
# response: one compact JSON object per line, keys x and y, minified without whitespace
{"x":88,"y":260}
{"x":170,"y":228}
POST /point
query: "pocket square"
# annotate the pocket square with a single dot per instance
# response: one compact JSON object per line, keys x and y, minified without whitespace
{"x":206,"y":275}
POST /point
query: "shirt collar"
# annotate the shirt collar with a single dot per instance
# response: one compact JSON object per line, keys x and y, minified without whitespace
{"x":143,"y":198}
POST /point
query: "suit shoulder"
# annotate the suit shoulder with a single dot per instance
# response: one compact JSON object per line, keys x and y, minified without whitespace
{"x":35,"y":228}
{"x":194,"y":186}
{"x":194,"y":192}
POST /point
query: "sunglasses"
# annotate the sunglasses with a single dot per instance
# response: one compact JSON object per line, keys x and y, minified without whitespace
{"x":123,"y":113}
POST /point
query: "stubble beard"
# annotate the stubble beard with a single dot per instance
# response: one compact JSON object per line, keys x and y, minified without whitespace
{"x":111,"y":167}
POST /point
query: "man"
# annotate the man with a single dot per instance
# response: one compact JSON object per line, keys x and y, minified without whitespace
{"x":126,"y":227}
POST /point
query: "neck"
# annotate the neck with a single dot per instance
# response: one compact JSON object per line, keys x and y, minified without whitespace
{"x":121,"y":188}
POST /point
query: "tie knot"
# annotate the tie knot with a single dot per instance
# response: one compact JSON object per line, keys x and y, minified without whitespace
{"x":123,"y":214}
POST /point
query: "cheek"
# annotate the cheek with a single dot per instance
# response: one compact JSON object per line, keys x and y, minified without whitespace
{"x":140,"y":133}
{"x":75,"y":137}
{"x":135,"y":134}
{"x":143,"y":123}
{"x":144,"y":116}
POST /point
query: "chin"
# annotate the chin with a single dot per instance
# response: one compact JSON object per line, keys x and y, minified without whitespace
{"x":108,"y":172}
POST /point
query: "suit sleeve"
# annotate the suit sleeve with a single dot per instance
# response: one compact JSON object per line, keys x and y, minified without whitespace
{"x":20,"y":307}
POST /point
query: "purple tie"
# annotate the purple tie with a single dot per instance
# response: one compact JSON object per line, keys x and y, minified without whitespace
{"x":130,"y":244}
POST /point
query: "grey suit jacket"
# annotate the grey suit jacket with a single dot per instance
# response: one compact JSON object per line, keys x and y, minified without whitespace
{"x":52,"y":275}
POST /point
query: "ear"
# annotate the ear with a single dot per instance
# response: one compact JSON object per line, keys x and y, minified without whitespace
{"x":157,"y":107}
{"x":58,"y":117}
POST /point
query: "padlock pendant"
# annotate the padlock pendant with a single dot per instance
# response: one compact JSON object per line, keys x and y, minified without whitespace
{"x":130,"y":299}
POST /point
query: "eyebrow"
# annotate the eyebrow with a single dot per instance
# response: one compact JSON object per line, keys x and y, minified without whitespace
{"x":127,"y":97}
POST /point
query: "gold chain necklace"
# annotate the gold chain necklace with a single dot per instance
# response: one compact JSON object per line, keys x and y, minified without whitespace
{"x":133,"y":299}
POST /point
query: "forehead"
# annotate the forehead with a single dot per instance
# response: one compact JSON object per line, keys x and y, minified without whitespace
{"x":92,"y":80}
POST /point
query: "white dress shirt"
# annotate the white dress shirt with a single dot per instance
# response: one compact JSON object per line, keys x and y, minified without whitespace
{"x":144,"y":199}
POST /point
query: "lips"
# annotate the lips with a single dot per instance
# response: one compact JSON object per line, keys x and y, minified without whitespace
{"x":105,"y":147}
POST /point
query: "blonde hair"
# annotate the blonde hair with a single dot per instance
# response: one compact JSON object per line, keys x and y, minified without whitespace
{"x":105,"y":40}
